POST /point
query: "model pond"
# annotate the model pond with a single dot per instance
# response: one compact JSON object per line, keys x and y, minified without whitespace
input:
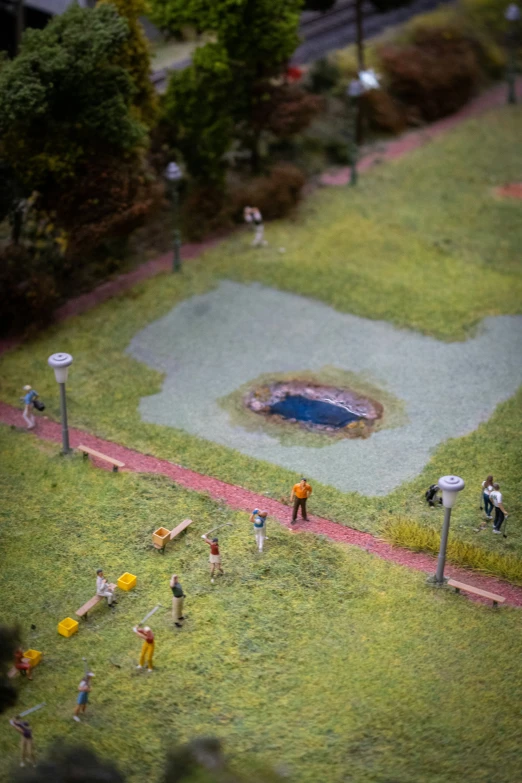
{"x":315,"y":407}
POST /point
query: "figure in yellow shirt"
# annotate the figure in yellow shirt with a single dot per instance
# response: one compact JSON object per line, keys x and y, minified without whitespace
{"x":300,"y":493}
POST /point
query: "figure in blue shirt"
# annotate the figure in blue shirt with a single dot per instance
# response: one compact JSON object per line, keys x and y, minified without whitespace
{"x":29,"y":398}
{"x":258,"y":518}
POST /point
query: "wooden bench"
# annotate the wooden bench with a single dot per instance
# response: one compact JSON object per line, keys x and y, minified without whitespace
{"x":497,"y":599}
{"x":82,"y":611}
{"x":114,"y":462}
{"x":160,"y":543}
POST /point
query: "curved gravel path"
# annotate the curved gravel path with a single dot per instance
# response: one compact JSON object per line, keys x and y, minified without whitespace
{"x":244,"y":500}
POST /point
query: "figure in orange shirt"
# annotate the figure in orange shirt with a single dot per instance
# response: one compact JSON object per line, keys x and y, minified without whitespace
{"x":300,"y":494}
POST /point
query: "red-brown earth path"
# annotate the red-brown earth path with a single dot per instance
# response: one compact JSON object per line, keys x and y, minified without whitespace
{"x":245,"y":500}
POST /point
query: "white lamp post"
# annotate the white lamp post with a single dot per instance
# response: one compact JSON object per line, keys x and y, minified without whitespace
{"x":450,"y":486}
{"x":60,"y":362}
{"x":512,"y":16}
{"x":365,"y":81}
{"x":174,"y":175}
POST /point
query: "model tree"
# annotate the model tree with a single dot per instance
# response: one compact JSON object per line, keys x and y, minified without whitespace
{"x":67,"y":80}
{"x":135,"y":58}
{"x":254,"y":40}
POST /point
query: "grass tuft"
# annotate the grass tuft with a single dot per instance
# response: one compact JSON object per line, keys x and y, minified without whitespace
{"x":411,"y":534}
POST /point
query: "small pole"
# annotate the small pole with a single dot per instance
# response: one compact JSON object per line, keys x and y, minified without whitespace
{"x":176,"y":259}
{"x":441,"y":562}
{"x":354,"y":147}
{"x":65,"y":429}
{"x":512,"y":16}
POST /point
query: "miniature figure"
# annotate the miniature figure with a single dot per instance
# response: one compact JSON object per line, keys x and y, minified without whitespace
{"x":103,"y":589}
{"x":500,"y":511}
{"x":253,"y":216}
{"x":258,"y":519}
{"x":215,"y":557}
{"x":299,"y":495}
{"x":28,"y":400}
{"x":26,"y":743}
{"x":83,"y":696}
{"x":147,"y":649}
{"x":177,"y":601}
{"x":23,"y":665}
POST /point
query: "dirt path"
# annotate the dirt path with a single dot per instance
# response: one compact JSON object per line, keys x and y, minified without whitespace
{"x":245,"y":500}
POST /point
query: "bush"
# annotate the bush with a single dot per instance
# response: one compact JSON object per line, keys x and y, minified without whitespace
{"x":323,"y":75}
{"x":383,"y":112}
{"x":289,"y":111}
{"x":435,"y":76}
{"x":420,"y":538}
{"x":275,"y":195}
{"x":205,"y":211}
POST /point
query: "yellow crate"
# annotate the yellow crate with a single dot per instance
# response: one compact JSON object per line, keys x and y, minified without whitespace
{"x":34,"y":656}
{"x":127,"y":581}
{"x":67,"y":627}
{"x":160,"y":537}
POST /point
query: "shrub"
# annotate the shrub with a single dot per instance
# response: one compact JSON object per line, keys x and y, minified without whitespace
{"x":289,"y":111}
{"x":323,"y":75}
{"x":103,"y":202}
{"x":383,"y":112}
{"x":436,"y":75}
{"x":29,"y":270}
{"x":275,"y":194}
{"x":204,"y":211}
{"x":421,"y":538}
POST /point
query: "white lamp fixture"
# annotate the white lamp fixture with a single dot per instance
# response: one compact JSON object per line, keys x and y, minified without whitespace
{"x":369,"y":80}
{"x":60,"y":362}
{"x":173,"y":172}
{"x":450,"y":486}
{"x":512,"y":13}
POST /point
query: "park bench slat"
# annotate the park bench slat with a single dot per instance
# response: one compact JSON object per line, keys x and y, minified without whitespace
{"x":177,"y":530}
{"x":91,"y":603}
{"x":114,"y":462}
{"x":497,"y":599}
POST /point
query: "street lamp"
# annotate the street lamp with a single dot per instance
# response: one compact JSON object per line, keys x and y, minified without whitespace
{"x":365,"y":81}
{"x":60,"y":362}
{"x":512,"y":16}
{"x":450,"y":486}
{"x":174,"y":175}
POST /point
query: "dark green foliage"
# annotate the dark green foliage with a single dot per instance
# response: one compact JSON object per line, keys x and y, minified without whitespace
{"x":196,"y":117}
{"x":323,"y":76}
{"x":74,"y":764}
{"x":223,"y":94}
{"x":9,"y":641}
{"x":64,"y":100}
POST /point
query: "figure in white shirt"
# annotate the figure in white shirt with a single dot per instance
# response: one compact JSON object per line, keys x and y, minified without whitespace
{"x":500,"y":511}
{"x":254,"y":217}
{"x":102,"y":588}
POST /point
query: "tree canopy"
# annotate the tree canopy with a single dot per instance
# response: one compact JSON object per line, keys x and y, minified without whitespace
{"x":65,"y":98}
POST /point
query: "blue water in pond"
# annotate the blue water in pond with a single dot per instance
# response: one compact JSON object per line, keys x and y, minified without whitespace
{"x":295,"y":406}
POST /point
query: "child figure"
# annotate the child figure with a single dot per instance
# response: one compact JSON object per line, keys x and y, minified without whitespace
{"x":26,"y":743}
{"x":258,"y":518}
{"x":147,"y":648}
{"x":28,"y":400}
{"x":215,"y":557}
{"x":84,"y":689}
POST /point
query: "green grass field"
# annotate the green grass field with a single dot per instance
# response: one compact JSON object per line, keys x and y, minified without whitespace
{"x":313,"y":658}
{"x":421,"y":243}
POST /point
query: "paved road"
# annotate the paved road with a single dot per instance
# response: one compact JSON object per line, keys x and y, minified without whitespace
{"x":323,"y":33}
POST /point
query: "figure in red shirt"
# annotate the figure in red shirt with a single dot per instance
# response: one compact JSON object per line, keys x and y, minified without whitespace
{"x":215,"y":557}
